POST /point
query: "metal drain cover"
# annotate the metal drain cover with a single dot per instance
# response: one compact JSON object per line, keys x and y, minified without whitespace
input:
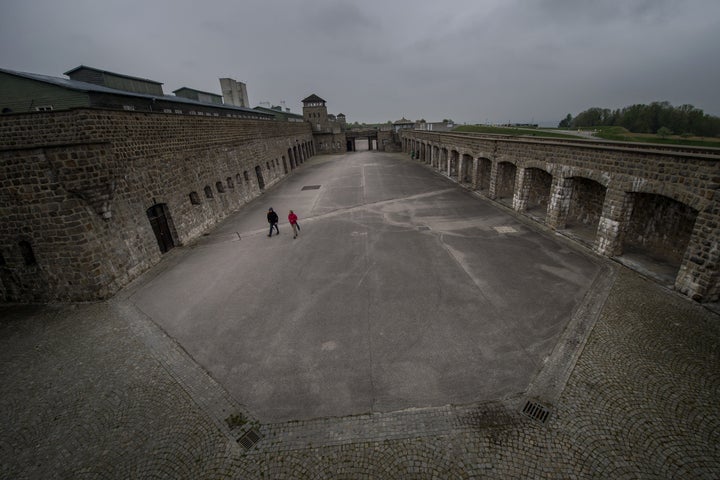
{"x":310,"y":187}
{"x":536,"y":411}
{"x":249,"y":439}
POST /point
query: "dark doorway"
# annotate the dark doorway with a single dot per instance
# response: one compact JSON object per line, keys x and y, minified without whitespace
{"x":158,"y":215}
{"x":261,"y":181}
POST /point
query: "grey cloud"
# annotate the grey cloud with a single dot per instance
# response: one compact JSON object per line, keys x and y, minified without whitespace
{"x":471,"y":60}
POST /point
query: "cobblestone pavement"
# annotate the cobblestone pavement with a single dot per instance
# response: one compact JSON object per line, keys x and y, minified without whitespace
{"x":96,"y":391}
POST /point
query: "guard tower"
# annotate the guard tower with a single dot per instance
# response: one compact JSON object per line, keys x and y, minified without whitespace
{"x":315,"y":112}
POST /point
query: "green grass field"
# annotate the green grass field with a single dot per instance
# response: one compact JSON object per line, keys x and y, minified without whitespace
{"x":623,"y":135}
{"x":509,"y":131}
{"x":618,"y":134}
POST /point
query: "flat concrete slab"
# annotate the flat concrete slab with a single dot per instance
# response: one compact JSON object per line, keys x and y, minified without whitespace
{"x":402,"y":290}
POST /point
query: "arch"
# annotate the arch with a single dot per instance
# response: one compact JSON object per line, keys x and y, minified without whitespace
{"x":230,"y":183}
{"x":194,"y":198}
{"x":537,"y":185}
{"x":219,"y":187}
{"x":659,"y":227}
{"x":656,"y":188}
{"x":585,"y":199}
{"x":208,"y":191}
{"x":27,"y":253}
{"x":484,"y":172}
{"x":505,"y":182}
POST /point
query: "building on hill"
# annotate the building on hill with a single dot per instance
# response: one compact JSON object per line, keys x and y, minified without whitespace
{"x":403,"y":124}
{"x":22,"y":92}
{"x":434,"y":126}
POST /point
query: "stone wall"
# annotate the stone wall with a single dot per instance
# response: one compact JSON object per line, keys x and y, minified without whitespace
{"x":76,"y":186}
{"x":665,"y":199}
{"x":330,"y":142}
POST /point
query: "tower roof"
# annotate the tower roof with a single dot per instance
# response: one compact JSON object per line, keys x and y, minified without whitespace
{"x":313,"y":99}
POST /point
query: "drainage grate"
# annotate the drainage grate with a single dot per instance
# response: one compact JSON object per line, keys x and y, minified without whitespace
{"x":250,"y":438}
{"x":536,"y":411}
{"x":310,"y":187}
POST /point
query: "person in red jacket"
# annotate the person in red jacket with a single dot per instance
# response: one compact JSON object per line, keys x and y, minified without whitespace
{"x":292,"y":218}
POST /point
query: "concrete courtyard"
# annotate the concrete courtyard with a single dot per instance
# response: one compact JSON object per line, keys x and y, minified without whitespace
{"x":399,"y":336}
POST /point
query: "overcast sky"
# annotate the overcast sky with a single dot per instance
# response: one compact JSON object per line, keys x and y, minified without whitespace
{"x":473,"y":61}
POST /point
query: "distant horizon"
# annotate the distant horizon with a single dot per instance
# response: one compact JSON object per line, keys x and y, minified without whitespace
{"x":283,"y":103}
{"x":486,"y":61}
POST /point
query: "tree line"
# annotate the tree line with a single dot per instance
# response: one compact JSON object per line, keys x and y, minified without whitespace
{"x":657,"y":117}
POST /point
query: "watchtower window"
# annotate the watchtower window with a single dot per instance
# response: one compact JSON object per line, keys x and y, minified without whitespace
{"x":219,"y":186}
{"x":247,"y":177}
{"x":229,"y":182}
{"x":208,"y":191}
{"x":194,"y":198}
{"x":27,"y":253}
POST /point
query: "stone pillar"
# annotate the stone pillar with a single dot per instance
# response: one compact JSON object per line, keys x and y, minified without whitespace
{"x":560,"y":198}
{"x":475,"y":171}
{"x":523,"y":180}
{"x":613,"y":222}
{"x":492,"y":189}
{"x":460,"y":162}
{"x":698,"y":274}
{"x":449,"y":162}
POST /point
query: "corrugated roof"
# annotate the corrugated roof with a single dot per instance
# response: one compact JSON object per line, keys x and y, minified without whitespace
{"x":85,"y":67}
{"x":196,"y":91}
{"x":270,"y":110}
{"x":91,"y":87}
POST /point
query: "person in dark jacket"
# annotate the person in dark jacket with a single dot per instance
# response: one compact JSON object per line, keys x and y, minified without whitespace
{"x":273,"y":221}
